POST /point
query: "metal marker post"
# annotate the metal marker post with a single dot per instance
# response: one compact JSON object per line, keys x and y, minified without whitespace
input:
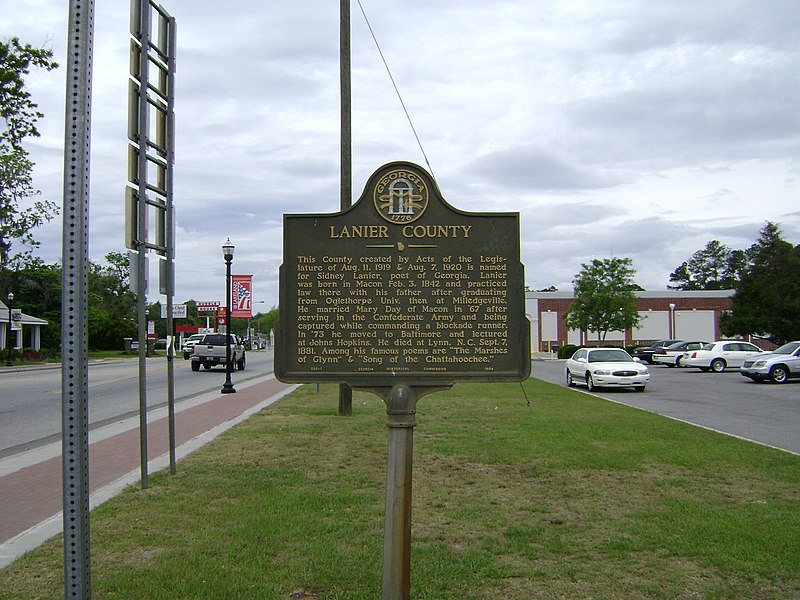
{"x":141,"y":265}
{"x":170,"y":238}
{"x":74,"y":303}
{"x":400,"y":419}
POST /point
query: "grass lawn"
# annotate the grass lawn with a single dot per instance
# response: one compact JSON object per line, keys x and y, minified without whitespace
{"x":573,"y":497}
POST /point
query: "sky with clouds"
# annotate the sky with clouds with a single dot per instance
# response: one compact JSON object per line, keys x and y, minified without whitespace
{"x":620,"y":128}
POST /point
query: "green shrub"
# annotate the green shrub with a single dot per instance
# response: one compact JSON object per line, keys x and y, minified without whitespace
{"x":567,"y":350}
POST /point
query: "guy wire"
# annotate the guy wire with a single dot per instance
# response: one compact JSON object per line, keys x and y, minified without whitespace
{"x":397,"y":91}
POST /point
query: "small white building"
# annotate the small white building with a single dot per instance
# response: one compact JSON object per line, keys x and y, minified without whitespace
{"x":26,"y":330}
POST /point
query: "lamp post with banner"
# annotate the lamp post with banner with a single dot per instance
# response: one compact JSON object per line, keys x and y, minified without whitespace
{"x":227,"y":253}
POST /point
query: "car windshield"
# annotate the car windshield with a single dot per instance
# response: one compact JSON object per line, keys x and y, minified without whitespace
{"x":609,"y":356}
{"x":787,"y":348}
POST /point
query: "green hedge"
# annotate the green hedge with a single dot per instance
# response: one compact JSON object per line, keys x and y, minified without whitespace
{"x":567,"y":350}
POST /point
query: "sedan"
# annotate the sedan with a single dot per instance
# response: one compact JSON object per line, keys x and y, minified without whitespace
{"x":720,"y":355}
{"x":672,"y":355}
{"x":189,"y":344}
{"x":778,"y":366}
{"x":645,"y":353}
{"x":600,"y":367}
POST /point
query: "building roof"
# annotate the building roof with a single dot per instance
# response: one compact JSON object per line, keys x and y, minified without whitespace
{"x":26,"y":319}
{"x":639,"y":294}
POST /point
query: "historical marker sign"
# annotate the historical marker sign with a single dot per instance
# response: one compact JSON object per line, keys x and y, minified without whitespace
{"x":402,"y":287}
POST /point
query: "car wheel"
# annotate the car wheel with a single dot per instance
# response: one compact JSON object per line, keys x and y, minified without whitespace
{"x":195,"y":365}
{"x":590,"y":383}
{"x":718,"y":365}
{"x":638,"y":388}
{"x":778,"y":374}
{"x":678,"y":362}
{"x":241,"y":364}
{"x":570,"y":383}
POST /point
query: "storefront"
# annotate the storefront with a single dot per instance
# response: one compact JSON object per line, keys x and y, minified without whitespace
{"x":26,"y":331}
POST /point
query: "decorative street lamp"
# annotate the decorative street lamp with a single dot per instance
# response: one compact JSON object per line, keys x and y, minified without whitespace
{"x":227,"y":253}
{"x":9,"y":362}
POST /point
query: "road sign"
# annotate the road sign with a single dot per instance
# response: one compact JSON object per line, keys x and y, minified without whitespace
{"x":178,"y":311}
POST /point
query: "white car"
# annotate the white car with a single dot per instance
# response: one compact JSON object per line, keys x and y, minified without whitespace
{"x":778,"y":366}
{"x":611,"y":367}
{"x":189,"y":344}
{"x":720,"y":355}
{"x":672,"y":355}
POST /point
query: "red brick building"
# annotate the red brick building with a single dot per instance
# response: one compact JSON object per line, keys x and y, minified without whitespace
{"x":668,"y":314}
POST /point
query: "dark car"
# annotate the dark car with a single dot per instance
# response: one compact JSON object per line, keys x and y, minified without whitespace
{"x":672,"y":355}
{"x":645,"y":353}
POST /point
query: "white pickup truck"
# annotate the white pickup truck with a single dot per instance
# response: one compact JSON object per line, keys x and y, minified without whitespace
{"x":211,"y":351}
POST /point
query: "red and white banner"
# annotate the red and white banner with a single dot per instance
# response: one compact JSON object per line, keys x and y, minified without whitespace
{"x":242,"y":296}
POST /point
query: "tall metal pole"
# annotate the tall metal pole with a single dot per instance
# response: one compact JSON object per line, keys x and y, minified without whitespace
{"x":345,"y":194}
{"x":170,"y":239}
{"x":141,"y":264}
{"x":74,"y":302}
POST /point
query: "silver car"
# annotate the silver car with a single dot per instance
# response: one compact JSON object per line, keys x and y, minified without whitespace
{"x":778,"y":366}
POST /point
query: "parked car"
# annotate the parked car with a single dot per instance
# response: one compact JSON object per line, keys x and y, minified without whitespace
{"x":612,"y":367}
{"x":720,"y":355}
{"x":672,"y":355}
{"x":778,"y":366}
{"x":189,"y":344}
{"x":645,"y":353}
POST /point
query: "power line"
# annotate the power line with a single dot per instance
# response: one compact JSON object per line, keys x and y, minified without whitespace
{"x":397,"y":91}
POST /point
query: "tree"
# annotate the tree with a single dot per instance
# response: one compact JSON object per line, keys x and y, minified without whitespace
{"x":37,"y":291}
{"x":604,"y":297}
{"x":112,"y":304}
{"x":715,"y":267}
{"x":20,"y":115}
{"x":766,"y":301}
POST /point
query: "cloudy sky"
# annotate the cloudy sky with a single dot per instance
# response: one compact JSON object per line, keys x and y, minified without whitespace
{"x":621,"y":128}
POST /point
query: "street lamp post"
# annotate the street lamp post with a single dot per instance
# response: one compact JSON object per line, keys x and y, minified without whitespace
{"x":227,"y":253}
{"x":672,"y":321}
{"x":10,"y":361}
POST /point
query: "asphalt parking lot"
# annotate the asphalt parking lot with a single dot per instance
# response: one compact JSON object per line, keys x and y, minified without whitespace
{"x":726,"y":402}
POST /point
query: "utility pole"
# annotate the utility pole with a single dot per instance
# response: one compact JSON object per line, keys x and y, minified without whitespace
{"x":345,"y":194}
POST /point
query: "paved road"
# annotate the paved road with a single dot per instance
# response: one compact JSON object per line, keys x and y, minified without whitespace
{"x":30,"y":400}
{"x":727,"y":402}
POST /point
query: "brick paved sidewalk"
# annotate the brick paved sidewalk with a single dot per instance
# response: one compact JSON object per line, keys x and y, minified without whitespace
{"x":31,"y":494}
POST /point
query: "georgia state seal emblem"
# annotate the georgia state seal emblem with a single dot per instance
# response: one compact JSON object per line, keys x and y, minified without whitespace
{"x":401,"y":196}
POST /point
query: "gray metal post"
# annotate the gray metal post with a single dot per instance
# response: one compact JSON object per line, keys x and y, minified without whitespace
{"x":170,"y":239}
{"x":74,"y":302}
{"x":144,"y":30}
{"x":400,"y":419}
